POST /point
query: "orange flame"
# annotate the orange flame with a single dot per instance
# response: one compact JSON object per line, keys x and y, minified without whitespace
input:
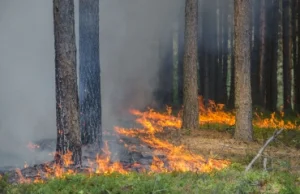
{"x":176,"y":158}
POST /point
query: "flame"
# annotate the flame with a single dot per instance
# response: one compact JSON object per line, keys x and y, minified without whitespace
{"x":104,"y":166}
{"x":166,"y":156}
{"x":178,"y":158}
{"x":212,"y":114}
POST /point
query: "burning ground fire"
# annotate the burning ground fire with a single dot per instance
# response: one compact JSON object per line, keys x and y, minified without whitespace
{"x":176,"y":158}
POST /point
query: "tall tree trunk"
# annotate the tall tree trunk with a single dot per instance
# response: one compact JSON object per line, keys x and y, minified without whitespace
{"x":213,"y":49}
{"x":180,"y":55}
{"x":219,"y":94}
{"x":67,"y":116}
{"x":166,"y":68}
{"x":261,"y":68}
{"x":201,"y":50}
{"x":209,"y":49}
{"x":297,"y":65}
{"x":231,"y":99}
{"x":89,"y":72}
{"x":243,"y":100}
{"x":225,"y":39}
{"x":287,"y":69}
{"x":294,"y":31}
{"x":190,"y":82}
{"x":255,"y":51}
{"x":271,"y":94}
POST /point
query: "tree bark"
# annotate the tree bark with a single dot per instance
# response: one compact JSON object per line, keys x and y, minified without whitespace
{"x":180,"y":56}
{"x":190,"y":81}
{"x":256,"y":51}
{"x":261,"y":68}
{"x":287,"y":69}
{"x":297,"y":65}
{"x":271,"y":71}
{"x":225,"y":39}
{"x":201,"y":49}
{"x":231,"y":100}
{"x":243,"y":99}
{"x":67,"y":116}
{"x":166,"y":76}
{"x":89,"y":73}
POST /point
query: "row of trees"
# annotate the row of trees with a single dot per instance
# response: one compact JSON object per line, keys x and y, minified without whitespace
{"x":274,"y":51}
{"x":234,"y":45}
{"x":242,"y":75}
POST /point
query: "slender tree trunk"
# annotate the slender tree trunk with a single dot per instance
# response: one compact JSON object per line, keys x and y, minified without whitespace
{"x":209,"y":49}
{"x":219,"y":94}
{"x":294,"y":31}
{"x":256,"y":51}
{"x":180,"y":56}
{"x":67,"y":116}
{"x":231,"y":100}
{"x":201,"y":51}
{"x":274,"y":28}
{"x":89,"y":72}
{"x":166,"y":70}
{"x":297,"y":65}
{"x":243,"y":100}
{"x":262,"y":54}
{"x":213,"y":50}
{"x":225,"y":37}
{"x":287,"y":77}
{"x":190,"y":81}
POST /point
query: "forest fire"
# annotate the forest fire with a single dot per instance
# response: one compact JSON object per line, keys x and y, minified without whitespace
{"x":165,"y":156}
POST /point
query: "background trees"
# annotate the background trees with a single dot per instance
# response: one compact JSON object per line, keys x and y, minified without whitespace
{"x":274,"y":54}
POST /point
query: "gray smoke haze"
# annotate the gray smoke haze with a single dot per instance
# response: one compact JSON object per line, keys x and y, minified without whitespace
{"x":129,"y":57}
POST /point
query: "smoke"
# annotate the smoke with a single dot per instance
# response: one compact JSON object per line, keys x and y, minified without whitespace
{"x":129,"y":34}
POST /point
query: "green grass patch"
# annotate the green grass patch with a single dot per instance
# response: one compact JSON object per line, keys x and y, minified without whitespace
{"x":232,"y":180}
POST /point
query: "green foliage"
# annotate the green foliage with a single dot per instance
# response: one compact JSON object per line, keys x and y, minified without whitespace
{"x":232,"y":180}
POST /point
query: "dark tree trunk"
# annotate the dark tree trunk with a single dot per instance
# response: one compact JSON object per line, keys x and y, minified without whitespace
{"x":209,"y":36}
{"x":190,"y":119}
{"x":218,"y":59}
{"x":272,"y":57}
{"x":297,"y":65}
{"x":231,"y":99}
{"x":180,"y":56}
{"x":213,"y":50}
{"x":294,"y":31}
{"x":243,"y":100}
{"x":89,"y":72}
{"x":255,"y":51}
{"x":287,"y":77}
{"x":261,"y":101}
{"x":224,"y":59}
{"x":201,"y":50}
{"x":166,"y":70}
{"x":67,"y":115}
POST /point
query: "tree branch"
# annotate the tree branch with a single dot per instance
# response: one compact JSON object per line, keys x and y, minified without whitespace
{"x":276,"y":133}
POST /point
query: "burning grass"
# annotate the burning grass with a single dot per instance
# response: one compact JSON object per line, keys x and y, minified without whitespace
{"x":166,"y":157}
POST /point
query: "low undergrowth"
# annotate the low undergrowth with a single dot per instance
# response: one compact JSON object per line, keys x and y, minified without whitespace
{"x":232,"y":180}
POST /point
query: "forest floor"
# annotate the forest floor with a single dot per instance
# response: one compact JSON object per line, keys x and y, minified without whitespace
{"x":211,"y":141}
{"x":282,"y":154}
